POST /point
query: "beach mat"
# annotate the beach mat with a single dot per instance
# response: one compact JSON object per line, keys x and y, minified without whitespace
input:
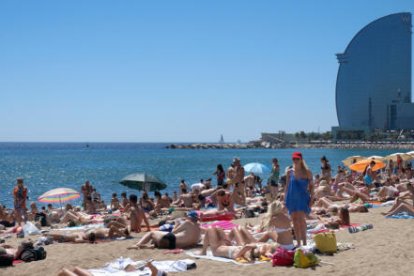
{"x":402,"y":215}
{"x":116,"y":268}
{"x":209,"y":256}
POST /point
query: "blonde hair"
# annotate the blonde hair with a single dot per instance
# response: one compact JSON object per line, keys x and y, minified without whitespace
{"x":275,"y":208}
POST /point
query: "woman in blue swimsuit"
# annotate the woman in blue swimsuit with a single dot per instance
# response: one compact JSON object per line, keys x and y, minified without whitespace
{"x":299,"y":195}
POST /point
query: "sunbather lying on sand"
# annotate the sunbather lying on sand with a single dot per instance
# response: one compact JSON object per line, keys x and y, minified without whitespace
{"x":77,"y":271}
{"x":221,"y":246}
{"x":325,"y":204}
{"x":183,"y":235}
{"x":90,"y":235}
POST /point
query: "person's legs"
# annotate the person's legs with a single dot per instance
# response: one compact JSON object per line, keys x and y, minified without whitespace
{"x":82,"y":272}
{"x":247,"y":236}
{"x":302,"y":223}
{"x":237,"y":236}
{"x":402,"y":207}
{"x":212,"y":238}
{"x":66,"y":272}
{"x":268,"y":236}
{"x":144,"y":241}
{"x":296,"y":227}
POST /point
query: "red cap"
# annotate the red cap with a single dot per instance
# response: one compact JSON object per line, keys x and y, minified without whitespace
{"x":297,"y":154}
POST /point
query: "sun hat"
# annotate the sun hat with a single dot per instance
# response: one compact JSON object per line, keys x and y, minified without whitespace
{"x":297,"y":154}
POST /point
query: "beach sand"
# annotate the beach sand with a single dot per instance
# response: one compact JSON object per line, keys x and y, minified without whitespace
{"x":387,"y":249}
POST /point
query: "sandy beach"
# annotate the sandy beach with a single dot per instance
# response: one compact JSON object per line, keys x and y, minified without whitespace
{"x":384,"y":250}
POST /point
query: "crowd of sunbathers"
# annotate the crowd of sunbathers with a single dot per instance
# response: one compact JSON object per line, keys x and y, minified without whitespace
{"x":332,"y":198}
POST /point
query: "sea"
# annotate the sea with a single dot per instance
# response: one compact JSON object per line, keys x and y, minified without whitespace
{"x":45,"y":166}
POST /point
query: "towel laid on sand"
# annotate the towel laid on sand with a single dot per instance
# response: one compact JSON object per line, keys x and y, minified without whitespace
{"x":116,"y":268}
{"x":401,"y":215}
{"x":210,"y":256}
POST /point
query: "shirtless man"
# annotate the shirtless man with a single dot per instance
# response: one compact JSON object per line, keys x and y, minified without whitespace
{"x":186,"y":200}
{"x":183,"y":235}
{"x":86,"y":190}
{"x":137,"y":215}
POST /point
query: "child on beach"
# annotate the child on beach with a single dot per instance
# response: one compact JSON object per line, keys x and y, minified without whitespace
{"x":137,"y":215}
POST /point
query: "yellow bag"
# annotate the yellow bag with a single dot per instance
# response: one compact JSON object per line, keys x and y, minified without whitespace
{"x":326,"y":242}
{"x":304,"y":260}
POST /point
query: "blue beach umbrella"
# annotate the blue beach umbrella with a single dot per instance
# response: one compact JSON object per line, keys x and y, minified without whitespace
{"x":256,"y":168}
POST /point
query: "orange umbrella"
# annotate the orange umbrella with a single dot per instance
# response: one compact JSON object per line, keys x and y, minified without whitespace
{"x":361,"y":165}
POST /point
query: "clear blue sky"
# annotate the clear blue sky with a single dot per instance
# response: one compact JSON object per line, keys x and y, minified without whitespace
{"x":173,"y":70}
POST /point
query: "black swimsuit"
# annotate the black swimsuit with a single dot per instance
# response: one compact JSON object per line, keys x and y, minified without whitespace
{"x":170,"y":238}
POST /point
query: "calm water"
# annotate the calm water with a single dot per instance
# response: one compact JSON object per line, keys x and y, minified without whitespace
{"x":45,"y":166}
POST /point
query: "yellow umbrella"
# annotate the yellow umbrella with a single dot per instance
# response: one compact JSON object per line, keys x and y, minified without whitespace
{"x":361,"y":165}
{"x":404,"y":157}
{"x":376,"y":158}
{"x":352,"y":159}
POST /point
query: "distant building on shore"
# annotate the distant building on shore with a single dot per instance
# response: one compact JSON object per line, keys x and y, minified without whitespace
{"x":373,"y":88}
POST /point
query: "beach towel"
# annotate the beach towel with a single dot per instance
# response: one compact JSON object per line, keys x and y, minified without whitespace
{"x":223,"y":224}
{"x":210,"y":256}
{"x":116,"y":268}
{"x":402,"y":215}
{"x":81,"y":227}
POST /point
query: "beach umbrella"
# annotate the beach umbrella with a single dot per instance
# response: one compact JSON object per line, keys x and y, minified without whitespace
{"x":352,"y":159}
{"x":404,"y":157}
{"x":59,"y":195}
{"x":411,"y":153}
{"x":256,"y":168}
{"x":361,"y":165}
{"x":143,"y":181}
{"x":376,"y":158}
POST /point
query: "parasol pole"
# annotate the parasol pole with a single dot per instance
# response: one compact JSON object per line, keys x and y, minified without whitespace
{"x":60,"y":201}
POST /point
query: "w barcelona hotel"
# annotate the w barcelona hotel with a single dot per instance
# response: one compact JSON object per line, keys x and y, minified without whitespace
{"x":373,"y":86}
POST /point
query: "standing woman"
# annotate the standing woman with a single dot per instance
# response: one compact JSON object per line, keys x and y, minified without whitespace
{"x":299,"y":195}
{"x":20,"y":196}
{"x":274,"y":179}
{"x":220,"y":175}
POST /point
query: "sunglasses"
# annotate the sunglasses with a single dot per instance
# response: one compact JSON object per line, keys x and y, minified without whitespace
{"x":295,"y":159}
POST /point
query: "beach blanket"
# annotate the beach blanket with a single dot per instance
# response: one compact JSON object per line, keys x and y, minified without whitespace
{"x":116,"y":268}
{"x":209,"y":256}
{"x":81,"y":227}
{"x":402,"y":215}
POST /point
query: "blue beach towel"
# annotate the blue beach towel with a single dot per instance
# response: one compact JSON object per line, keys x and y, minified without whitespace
{"x":402,"y":215}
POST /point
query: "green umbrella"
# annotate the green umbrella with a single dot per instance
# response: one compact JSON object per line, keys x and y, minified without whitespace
{"x":143,"y":181}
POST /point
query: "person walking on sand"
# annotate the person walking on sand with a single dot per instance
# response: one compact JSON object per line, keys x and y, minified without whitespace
{"x":20,"y":196}
{"x":299,"y":195}
{"x":274,"y":179}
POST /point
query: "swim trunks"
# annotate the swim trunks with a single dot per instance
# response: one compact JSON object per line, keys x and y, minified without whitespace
{"x":168,"y":241}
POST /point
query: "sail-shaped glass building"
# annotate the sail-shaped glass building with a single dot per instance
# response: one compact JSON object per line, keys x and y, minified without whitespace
{"x":373,"y":87}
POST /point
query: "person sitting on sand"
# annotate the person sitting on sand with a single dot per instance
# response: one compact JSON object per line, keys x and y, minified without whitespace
{"x":399,"y":206}
{"x":183,"y":235}
{"x":162,"y":203}
{"x":124,"y":201}
{"x":186,"y":200}
{"x":137,"y":215}
{"x":146,"y":203}
{"x":277,"y":220}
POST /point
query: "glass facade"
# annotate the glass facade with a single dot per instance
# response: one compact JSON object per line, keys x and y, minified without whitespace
{"x":373,"y":88}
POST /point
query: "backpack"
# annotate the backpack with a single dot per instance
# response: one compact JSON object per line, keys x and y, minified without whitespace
{"x":6,"y":260}
{"x":33,"y":254}
{"x":282,"y":257}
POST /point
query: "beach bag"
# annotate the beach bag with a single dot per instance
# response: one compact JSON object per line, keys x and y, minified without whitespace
{"x":304,"y":260}
{"x":325,"y":242}
{"x":282,"y":257}
{"x":33,"y":254}
{"x":6,"y":260}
